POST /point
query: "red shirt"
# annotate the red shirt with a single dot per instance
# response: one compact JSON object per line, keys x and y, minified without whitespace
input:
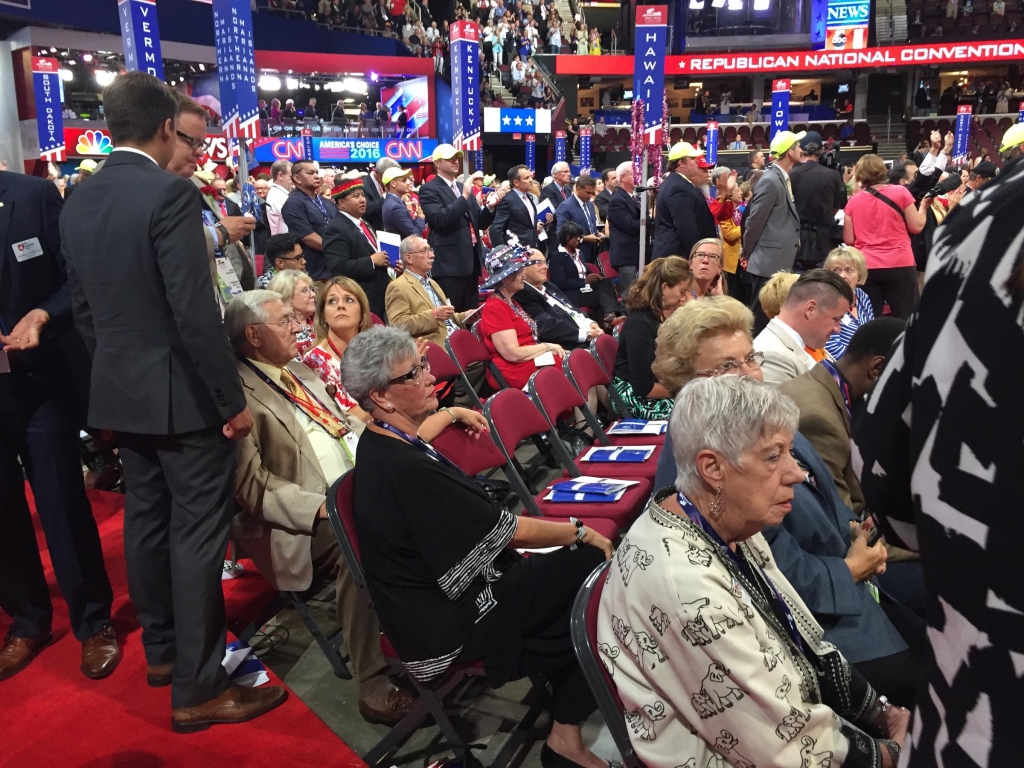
{"x":879,"y":232}
{"x":497,"y":316}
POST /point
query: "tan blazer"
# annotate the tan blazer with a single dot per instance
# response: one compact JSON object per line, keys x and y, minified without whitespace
{"x":784,"y":359}
{"x":279,"y":485}
{"x":409,"y":307}
{"x":826,"y":424}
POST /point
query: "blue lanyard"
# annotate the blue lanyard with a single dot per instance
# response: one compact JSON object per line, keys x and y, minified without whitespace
{"x":844,"y":386}
{"x":420,"y":443}
{"x":698,"y":519}
{"x":319,"y":204}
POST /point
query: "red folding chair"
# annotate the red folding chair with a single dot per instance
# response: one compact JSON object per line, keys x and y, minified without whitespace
{"x":513,"y":419}
{"x":376,"y":320}
{"x":341,"y":515}
{"x":604,"y":349}
{"x":583,"y":628}
{"x":466,"y":348}
{"x":442,"y":368}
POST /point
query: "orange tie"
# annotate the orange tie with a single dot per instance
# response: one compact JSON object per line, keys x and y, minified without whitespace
{"x":817,"y":354}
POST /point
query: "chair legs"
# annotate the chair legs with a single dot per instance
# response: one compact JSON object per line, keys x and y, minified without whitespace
{"x":329,"y":648}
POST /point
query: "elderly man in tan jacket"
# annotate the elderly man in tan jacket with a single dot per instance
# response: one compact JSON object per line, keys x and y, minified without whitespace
{"x":299,"y":445}
{"x":414,"y":302}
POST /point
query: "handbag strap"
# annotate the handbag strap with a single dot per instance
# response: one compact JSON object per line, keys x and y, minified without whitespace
{"x":879,"y":196}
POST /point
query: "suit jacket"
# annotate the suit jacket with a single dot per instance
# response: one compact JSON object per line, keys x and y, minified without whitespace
{"x":30,"y":208}
{"x":279,"y":483}
{"x":570,"y":211}
{"x":397,"y":219}
{"x":683,"y":217}
{"x":624,"y":229}
{"x":374,"y":214}
{"x":554,"y":324}
{"x":552,"y":194}
{"x":601,"y":201}
{"x":348,"y":253}
{"x":771,"y":232}
{"x":825,"y":422}
{"x":450,"y":218}
{"x":565,"y":275}
{"x":784,"y":359}
{"x":410,"y":308}
{"x":809,"y":547}
{"x":141,"y":299}
{"x":511,"y":216}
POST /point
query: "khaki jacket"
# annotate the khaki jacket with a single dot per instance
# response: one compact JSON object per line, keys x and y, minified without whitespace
{"x":279,"y":485}
{"x":409,"y":307}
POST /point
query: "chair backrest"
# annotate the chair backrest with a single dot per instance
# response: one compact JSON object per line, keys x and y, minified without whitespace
{"x":341,"y":515}
{"x":605,"y":258}
{"x":466,"y":349}
{"x":472,"y":455}
{"x":604,"y":349}
{"x":584,"y":372}
{"x":442,"y":367}
{"x":552,"y":394}
{"x":376,"y":320}
{"x":583,"y":629}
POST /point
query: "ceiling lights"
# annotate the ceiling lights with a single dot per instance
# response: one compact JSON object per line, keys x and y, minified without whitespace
{"x":104,"y":77}
{"x":270,"y":83}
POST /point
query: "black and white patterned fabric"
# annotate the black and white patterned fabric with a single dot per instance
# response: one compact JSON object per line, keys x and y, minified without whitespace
{"x":941,"y":453}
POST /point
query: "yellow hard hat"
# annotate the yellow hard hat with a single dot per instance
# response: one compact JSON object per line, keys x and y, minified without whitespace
{"x":1013,"y":137}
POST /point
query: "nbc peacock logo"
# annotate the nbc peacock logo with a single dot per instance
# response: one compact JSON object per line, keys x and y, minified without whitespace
{"x":94,"y":143}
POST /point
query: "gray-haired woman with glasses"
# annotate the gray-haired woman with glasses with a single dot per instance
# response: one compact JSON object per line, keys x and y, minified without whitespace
{"x":439,"y":557}
{"x":706,"y":258}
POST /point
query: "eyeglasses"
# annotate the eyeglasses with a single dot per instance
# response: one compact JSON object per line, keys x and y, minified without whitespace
{"x":287,"y":323}
{"x":752,"y":361}
{"x":421,"y":250}
{"x":535,"y":262}
{"x":413,"y":375}
{"x":290,"y":258}
{"x":702,"y":256}
{"x":193,"y":143}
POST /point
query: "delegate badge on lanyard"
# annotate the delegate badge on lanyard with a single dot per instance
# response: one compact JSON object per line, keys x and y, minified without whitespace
{"x":227,"y":279}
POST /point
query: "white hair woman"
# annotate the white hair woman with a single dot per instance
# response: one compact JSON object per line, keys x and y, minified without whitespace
{"x":440,"y":558}
{"x":296,"y":289}
{"x":712,"y":651}
{"x":848,"y":262}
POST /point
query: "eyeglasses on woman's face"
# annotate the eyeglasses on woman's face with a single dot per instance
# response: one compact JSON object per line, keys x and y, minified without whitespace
{"x":752,"y":362}
{"x":414,"y":376}
{"x":711,"y":256}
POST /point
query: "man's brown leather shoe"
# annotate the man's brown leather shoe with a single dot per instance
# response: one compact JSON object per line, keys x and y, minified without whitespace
{"x":19,"y":651}
{"x":159,"y":675}
{"x":235,"y":705}
{"x":100,"y":654}
{"x":388,"y":708}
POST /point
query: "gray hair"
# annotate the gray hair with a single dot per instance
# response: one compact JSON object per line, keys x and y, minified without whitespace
{"x":719,"y":172}
{"x":725,"y":414}
{"x":247,"y":308}
{"x":279,"y":167}
{"x":559,"y":167}
{"x":383,"y":164}
{"x":283,"y":283}
{"x":370,"y":358}
{"x":407,"y":245}
{"x":621,"y":168}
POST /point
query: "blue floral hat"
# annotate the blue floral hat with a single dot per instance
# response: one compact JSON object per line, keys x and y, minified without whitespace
{"x":505,"y":260}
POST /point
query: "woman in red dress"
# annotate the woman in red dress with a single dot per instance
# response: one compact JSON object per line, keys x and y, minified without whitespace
{"x":509,"y":333}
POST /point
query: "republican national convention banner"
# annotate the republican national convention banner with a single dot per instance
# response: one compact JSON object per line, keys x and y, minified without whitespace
{"x":780,"y":106}
{"x":140,"y":36}
{"x":47,"y":86}
{"x":961,"y":138}
{"x":649,"y":67}
{"x":559,"y":146}
{"x":584,"y":147}
{"x":236,"y":68}
{"x":465,"y":53}
{"x":531,"y":151}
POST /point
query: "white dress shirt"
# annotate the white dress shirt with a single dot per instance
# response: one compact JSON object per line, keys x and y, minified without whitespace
{"x":276,"y":197}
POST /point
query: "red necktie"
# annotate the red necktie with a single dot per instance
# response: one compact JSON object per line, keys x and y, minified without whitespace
{"x":368,"y":233}
{"x":223,"y":208}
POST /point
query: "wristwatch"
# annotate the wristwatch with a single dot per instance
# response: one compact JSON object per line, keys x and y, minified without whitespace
{"x":224,"y":231}
{"x":581,"y":532}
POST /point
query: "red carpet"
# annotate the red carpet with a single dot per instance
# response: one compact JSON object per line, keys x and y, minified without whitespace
{"x":53,"y":716}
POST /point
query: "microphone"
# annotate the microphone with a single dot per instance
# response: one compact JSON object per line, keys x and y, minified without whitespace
{"x":639,"y":188}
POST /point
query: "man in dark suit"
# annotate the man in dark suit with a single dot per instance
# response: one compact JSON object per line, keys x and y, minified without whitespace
{"x":164,"y":381}
{"x":682,"y":216}
{"x":818,"y":192}
{"x":351,"y":247}
{"x":307,"y":214}
{"x":579,"y":208}
{"x":373,"y":188}
{"x":397,"y":218}
{"x":610,"y":179}
{"x":556,"y":193}
{"x":456,"y":220}
{"x":558,"y":321}
{"x":227,"y":207}
{"x":624,"y":229}
{"x":516,"y":214}
{"x":44,"y":369}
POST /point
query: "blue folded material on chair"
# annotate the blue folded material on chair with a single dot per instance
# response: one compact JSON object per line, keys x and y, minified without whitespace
{"x":618,"y":455}
{"x":631,"y":425}
{"x":562,"y":497}
{"x":573,"y":486}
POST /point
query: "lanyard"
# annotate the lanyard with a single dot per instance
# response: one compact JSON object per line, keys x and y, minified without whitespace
{"x":312,"y":403}
{"x":319,"y":204}
{"x":521,"y":313}
{"x":420,"y":443}
{"x":333,"y":348}
{"x":698,"y":519}
{"x":841,"y":382}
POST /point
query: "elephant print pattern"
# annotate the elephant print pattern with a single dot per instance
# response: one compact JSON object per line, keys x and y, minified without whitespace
{"x":811,"y":759}
{"x":697,"y":630}
{"x":641,"y":720}
{"x":629,"y":559}
{"x":609,"y":653}
{"x":726,"y":744}
{"x":637,"y":644}
{"x":659,"y":619}
{"x":717,"y":692}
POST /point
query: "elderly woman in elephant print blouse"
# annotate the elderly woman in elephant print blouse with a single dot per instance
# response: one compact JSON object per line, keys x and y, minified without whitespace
{"x":716,"y":659}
